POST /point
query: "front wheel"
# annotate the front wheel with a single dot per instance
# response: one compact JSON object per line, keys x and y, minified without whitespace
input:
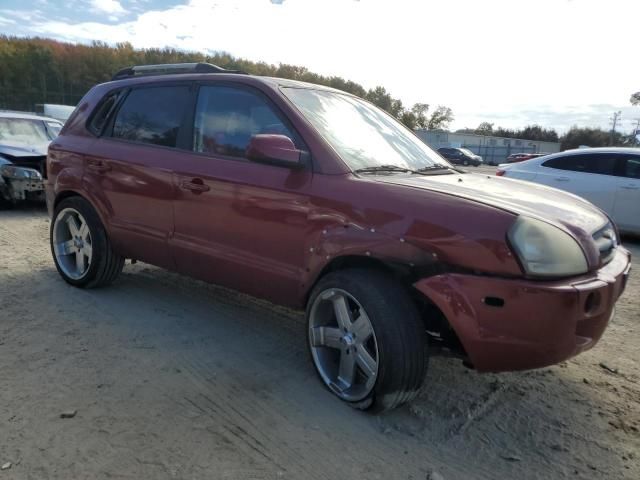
{"x":80,"y":247}
{"x":366,"y":339}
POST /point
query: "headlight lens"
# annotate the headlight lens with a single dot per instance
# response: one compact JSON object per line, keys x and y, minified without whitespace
{"x":20,"y":173}
{"x":545,"y":250}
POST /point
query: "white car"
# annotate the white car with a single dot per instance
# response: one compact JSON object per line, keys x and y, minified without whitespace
{"x":607,"y":177}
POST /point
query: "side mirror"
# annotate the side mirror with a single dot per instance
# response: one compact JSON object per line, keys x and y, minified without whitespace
{"x":274,"y":149}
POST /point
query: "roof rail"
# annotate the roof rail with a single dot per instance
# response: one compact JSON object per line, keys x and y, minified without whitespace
{"x":171,"y":68}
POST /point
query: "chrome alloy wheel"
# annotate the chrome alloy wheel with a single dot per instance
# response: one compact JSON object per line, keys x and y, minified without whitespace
{"x":72,"y":244}
{"x":343,"y":344}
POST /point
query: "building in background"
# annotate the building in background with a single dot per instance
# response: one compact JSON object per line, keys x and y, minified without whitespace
{"x":59,"y":112}
{"x":493,"y":150}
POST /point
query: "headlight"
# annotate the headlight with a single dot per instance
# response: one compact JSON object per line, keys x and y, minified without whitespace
{"x":545,"y":250}
{"x":20,"y":173}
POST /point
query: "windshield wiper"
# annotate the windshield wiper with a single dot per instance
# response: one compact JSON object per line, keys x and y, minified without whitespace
{"x":396,"y":168}
{"x":436,"y":167}
{"x":386,"y":168}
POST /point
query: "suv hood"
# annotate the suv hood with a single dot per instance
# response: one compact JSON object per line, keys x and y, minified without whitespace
{"x":515,"y":196}
{"x":17,"y":150}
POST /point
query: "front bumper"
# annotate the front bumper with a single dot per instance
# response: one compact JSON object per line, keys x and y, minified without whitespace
{"x":538,"y":324}
{"x":17,"y":189}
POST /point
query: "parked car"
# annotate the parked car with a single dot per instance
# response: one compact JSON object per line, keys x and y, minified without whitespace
{"x":460,"y":156}
{"x":24,"y":139}
{"x":607,"y":177}
{"x":313,"y":198}
{"x":520,"y":157}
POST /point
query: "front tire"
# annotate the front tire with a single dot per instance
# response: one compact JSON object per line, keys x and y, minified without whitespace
{"x":80,"y":246}
{"x":366,"y":339}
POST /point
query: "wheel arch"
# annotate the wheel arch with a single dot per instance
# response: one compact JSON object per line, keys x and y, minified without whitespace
{"x":432,"y":316}
{"x":64,"y":194}
{"x":345,"y":262}
{"x":68,"y":193}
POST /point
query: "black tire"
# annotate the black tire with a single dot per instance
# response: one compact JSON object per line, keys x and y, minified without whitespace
{"x":105,"y":265}
{"x":465,"y":163}
{"x":399,"y":333}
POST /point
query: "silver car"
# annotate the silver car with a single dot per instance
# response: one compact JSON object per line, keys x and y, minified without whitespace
{"x":24,"y":139}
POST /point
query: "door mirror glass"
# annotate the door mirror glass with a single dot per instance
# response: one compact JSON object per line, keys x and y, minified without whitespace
{"x":274,"y":149}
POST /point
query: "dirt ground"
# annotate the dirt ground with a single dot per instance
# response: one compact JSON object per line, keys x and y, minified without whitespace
{"x":173,"y":378}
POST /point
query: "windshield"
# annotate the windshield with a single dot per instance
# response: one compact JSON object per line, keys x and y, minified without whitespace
{"x":54,"y":129}
{"x":468,"y":152}
{"x":363,"y":135}
{"x":21,"y":130}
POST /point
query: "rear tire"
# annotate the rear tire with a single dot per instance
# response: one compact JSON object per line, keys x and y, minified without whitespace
{"x":80,"y":246}
{"x":389,"y":361}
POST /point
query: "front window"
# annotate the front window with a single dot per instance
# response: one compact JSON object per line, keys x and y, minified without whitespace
{"x":363,"y":135}
{"x":227,"y":118}
{"x":22,"y":131}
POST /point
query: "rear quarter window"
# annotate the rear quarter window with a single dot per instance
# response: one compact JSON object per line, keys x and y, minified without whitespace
{"x":100,"y":116}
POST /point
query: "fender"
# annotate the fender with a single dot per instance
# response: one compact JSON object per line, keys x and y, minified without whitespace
{"x":349,"y":239}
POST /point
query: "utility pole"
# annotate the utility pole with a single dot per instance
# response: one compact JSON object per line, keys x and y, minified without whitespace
{"x":614,"y":122}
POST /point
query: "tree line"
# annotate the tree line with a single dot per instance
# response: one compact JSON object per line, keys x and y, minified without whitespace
{"x":40,"y":70}
{"x":573,"y":138}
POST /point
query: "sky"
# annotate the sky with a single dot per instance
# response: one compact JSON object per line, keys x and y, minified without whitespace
{"x":555,"y":63}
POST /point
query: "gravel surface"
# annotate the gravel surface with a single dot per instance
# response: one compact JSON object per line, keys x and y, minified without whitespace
{"x":163,"y":377}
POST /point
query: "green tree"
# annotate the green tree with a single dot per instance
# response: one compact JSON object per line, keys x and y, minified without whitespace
{"x":485,"y":128}
{"x":440,"y":118}
{"x":536,"y":132}
{"x":592,"y":137}
{"x":635,"y":99}
{"x":40,"y":70}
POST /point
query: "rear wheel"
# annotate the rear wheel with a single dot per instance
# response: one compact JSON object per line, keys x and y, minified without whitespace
{"x":366,"y":339}
{"x":80,"y":247}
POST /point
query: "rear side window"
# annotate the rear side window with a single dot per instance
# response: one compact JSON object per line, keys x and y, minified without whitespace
{"x":602,"y":164}
{"x":226,"y":119}
{"x":632,"y":167}
{"x":152,"y":115}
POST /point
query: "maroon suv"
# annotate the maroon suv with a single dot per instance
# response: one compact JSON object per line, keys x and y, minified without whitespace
{"x":313,"y":198}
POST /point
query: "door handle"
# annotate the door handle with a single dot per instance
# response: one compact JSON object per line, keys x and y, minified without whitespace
{"x":562,"y":179}
{"x":195,"y":186}
{"x":98,"y":166}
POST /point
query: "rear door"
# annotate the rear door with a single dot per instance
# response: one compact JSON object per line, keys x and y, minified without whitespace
{"x":589,"y":175}
{"x":239,"y":223}
{"x":129,"y":170}
{"x":626,"y":212}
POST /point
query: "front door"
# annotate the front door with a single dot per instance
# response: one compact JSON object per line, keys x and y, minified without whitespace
{"x":588,"y":175}
{"x":239,"y":223}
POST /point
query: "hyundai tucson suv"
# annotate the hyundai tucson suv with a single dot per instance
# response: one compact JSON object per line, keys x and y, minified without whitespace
{"x":315,"y":199}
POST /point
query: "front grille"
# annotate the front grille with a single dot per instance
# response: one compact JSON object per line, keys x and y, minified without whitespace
{"x":606,"y":242}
